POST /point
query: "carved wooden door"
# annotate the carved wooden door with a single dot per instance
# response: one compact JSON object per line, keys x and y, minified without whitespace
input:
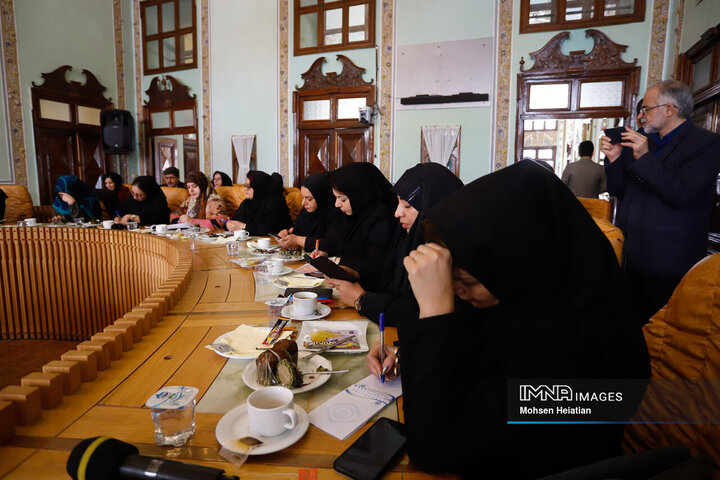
{"x":68,"y":135}
{"x":54,"y":149}
{"x":353,"y":145}
{"x":316,"y":152}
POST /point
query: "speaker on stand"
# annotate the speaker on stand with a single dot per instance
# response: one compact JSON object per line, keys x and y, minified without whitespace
{"x":118,"y":135}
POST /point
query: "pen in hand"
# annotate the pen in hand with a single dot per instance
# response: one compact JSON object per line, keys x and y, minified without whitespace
{"x":382,"y":348}
{"x":314,"y":253}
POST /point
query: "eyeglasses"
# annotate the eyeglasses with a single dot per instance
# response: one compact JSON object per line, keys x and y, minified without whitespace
{"x":645,"y":109}
{"x":247,"y":185}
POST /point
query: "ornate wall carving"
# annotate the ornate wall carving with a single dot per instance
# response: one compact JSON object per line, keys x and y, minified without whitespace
{"x":385,"y":83}
{"x":658,"y":38}
{"x":119,"y":57}
{"x":14,"y":98}
{"x":503,"y":83}
{"x":284,"y":159}
{"x":205,"y":72}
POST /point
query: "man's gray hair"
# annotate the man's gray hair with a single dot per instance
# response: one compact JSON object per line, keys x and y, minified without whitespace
{"x":679,"y":94}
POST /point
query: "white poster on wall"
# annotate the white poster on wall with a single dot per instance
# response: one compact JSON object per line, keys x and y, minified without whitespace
{"x":445,"y":68}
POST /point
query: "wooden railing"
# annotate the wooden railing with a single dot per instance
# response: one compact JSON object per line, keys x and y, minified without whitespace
{"x":69,"y":283}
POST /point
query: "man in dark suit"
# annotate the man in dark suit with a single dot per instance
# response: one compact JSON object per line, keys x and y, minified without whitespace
{"x":665,"y":185}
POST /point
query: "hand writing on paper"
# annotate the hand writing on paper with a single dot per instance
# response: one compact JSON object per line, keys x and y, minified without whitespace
{"x":373,"y":361}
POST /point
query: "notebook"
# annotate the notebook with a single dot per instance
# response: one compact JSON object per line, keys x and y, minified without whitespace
{"x":346,"y":412}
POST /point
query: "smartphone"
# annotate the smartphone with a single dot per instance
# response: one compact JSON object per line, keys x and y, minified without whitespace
{"x":614,"y":134}
{"x":371,"y":454}
{"x":276,"y":237}
{"x":329,"y":268}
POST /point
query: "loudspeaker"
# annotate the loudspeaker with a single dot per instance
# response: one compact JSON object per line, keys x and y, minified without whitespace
{"x":118,"y":131}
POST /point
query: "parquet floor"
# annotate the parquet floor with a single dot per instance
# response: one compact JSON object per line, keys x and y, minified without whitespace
{"x":20,"y":357}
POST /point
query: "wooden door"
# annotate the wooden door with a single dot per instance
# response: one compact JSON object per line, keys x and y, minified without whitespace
{"x":55,"y":152}
{"x":324,"y":150}
{"x":316,"y":152}
{"x":353,"y":145}
{"x":165,"y":155}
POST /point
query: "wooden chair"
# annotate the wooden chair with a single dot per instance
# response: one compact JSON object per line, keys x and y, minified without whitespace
{"x":683,"y":339}
{"x":597,"y":207}
{"x":613,"y":234}
{"x":18,"y":205}
{"x":175,"y":196}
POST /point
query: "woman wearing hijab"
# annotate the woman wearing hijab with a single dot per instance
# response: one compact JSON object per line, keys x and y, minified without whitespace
{"x":264,"y":210}
{"x":316,"y":217}
{"x":541,"y":299}
{"x":363,"y":195}
{"x":199,"y":206}
{"x":146,"y":206}
{"x":114,"y":192}
{"x":419,"y":188}
{"x":221,"y":179}
{"x":75,"y":199}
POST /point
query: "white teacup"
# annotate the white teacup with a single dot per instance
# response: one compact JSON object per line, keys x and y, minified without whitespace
{"x":304,"y":303}
{"x":263,"y":243}
{"x":30,"y":222}
{"x":107,"y":224}
{"x":276,"y":266}
{"x":241,"y":234}
{"x":160,"y":228}
{"x":132,"y":225}
{"x":271,"y":411}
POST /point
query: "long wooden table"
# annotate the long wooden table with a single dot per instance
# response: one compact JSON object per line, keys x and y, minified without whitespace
{"x":219,"y":297}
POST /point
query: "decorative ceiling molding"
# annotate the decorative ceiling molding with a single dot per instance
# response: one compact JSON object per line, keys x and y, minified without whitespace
{"x":605,"y":54}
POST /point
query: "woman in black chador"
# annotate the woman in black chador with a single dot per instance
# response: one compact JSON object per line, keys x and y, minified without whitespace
{"x":540,"y":297}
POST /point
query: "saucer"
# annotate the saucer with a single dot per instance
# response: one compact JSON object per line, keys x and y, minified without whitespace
{"x":284,"y":271}
{"x":234,"y":425}
{"x":321,"y":310}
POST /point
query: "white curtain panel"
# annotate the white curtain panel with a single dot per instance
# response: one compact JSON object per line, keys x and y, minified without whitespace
{"x":440,"y":141}
{"x":243,"y":146}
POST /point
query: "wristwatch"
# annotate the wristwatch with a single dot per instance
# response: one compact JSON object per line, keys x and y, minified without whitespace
{"x":358,"y":302}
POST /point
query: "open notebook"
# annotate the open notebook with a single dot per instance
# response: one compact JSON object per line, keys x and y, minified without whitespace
{"x":350,"y":409}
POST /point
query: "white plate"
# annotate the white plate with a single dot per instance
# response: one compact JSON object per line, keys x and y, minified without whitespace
{"x":284,"y":271}
{"x":358,"y":327}
{"x":259,"y":333}
{"x":295,"y":259}
{"x":248,"y":262}
{"x":234,"y":425}
{"x":253,"y":244}
{"x":322,"y":312}
{"x":304,"y":366}
{"x":297,"y":282}
{"x":257,"y":254}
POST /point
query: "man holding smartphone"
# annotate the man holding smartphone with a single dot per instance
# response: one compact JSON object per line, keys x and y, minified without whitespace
{"x":665,"y":184}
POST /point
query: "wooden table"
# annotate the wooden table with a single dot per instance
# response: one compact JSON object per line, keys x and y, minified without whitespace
{"x":219,"y":298}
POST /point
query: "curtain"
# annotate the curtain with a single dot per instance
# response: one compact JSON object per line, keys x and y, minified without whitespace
{"x":243,"y":146}
{"x":440,"y":141}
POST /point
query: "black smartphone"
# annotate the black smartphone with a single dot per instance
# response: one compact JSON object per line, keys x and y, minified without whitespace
{"x":329,"y":268}
{"x":614,"y":134}
{"x":371,"y":454}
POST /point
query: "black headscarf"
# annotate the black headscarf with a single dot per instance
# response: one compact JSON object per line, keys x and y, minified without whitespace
{"x":368,"y":231}
{"x":314,"y":224}
{"x":267,"y":211}
{"x":561,"y":315}
{"x":422,"y":186}
{"x":154,"y":209}
{"x":226,"y":180}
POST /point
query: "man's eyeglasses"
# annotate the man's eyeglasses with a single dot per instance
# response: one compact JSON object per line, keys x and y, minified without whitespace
{"x":645,"y":109}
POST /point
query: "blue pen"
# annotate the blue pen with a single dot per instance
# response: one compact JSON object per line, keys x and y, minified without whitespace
{"x":382,"y":347}
{"x":117,"y":214}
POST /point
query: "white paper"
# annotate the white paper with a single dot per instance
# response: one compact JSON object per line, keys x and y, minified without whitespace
{"x":346,"y":412}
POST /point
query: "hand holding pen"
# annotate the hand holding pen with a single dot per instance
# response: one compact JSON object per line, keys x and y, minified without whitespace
{"x":373,"y":361}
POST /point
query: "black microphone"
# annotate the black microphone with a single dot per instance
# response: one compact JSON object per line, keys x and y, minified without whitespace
{"x":105,"y":458}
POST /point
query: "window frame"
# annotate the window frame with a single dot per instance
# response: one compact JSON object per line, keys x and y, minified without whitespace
{"x":598,"y":18}
{"x":175,"y":34}
{"x":320,"y":8}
